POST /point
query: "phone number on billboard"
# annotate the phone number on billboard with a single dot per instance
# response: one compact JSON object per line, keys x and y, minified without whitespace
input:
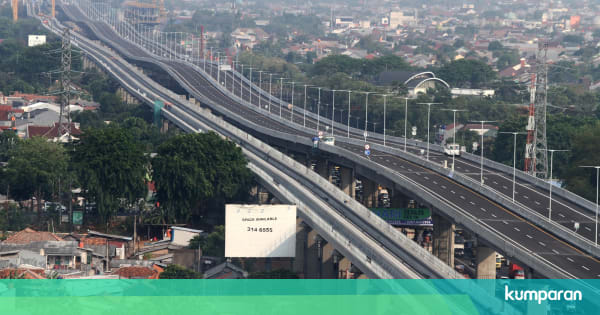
{"x":255,"y":229}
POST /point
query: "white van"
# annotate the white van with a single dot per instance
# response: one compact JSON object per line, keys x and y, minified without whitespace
{"x":452,"y":149}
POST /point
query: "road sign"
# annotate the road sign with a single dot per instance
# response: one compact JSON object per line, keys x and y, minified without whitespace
{"x":367,"y":147}
{"x":320,"y":134}
{"x":414,"y":131}
{"x":365,"y":134}
{"x":367,"y":152}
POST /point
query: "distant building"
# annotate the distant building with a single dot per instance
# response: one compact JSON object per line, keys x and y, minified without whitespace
{"x":36,"y":40}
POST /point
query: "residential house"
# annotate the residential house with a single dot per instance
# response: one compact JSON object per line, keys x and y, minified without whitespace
{"x":225,"y":270}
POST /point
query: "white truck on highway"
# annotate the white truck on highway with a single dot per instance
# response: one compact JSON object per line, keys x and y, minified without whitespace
{"x":452,"y":149}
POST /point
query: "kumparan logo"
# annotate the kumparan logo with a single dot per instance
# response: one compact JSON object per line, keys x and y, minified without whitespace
{"x":541,"y":295}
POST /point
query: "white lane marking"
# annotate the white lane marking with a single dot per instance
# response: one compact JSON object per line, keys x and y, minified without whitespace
{"x":525,"y":197}
{"x":427,"y":178}
{"x":555,"y":251}
{"x":493,"y":215}
{"x":444,"y":187}
{"x":504,"y":222}
{"x":586,"y":268}
{"x":483,"y":209}
{"x":529,"y":236}
{"x":485,"y":177}
{"x":462,"y":197}
{"x":517,"y":229}
{"x":587,"y":228}
{"x":387,"y":160}
{"x":542,"y":244}
{"x":495,"y":182}
{"x":402,"y":166}
{"x":569,"y":259}
{"x":561,"y":215}
{"x":408,"y":169}
{"x":504,"y":187}
{"x":452,"y":191}
{"x":537,"y":202}
{"x":435,"y":183}
{"x":471,"y":202}
{"x":395,"y":163}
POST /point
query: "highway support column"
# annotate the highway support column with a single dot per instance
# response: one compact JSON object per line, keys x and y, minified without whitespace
{"x":347,"y":181}
{"x":486,"y":263}
{"x":322,"y":169}
{"x":443,"y":239}
{"x":369,"y":193}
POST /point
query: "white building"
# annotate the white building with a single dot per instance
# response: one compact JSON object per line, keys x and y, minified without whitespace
{"x":182,"y":236}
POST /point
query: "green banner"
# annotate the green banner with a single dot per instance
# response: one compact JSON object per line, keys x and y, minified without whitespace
{"x":405,"y":216}
{"x":283,"y":297}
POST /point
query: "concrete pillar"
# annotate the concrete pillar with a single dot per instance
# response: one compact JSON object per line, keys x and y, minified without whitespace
{"x":347,"y":181}
{"x":192,"y":100}
{"x":302,"y":230}
{"x":344,"y":267}
{"x":369,"y":193}
{"x":443,"y":239}
{"x":313,"y":255}
{"x":397,"y":199}
{"x":300,"y":158}
{"x":328,"y":266}
{"x":486,"y":263}
{"x":321,"y":168}
{"x":165,"y":126}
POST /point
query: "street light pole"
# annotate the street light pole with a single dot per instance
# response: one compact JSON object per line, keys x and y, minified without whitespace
{"x":318,"y":107}
{"x":332,"y":110}
{"x":260,"y":87}
{"x":304,"y":113}
{"x":481,"y":160}
{"x":292,"y":108}
{"x":550,"y":182}
{"x":250,"y":86}
{"x":454,"y":130}
{"x":270,"y":95}
{"x":384,"y":110}
{"x":514,"y":159}
{"x":242,"y":82}
{"x":597,"y":185}
{"x":280,"y":94}
{"x":349,"y":92}
{"x":366,"y":113}
{"x":428,"y":118}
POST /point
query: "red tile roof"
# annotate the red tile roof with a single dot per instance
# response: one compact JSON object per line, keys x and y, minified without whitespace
{"x":137,"y":272}
{"x":49,"y":132}
{"x":24,"y":273}
{"x":28,"y":235}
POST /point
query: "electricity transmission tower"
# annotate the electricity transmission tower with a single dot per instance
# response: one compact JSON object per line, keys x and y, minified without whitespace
{"x":540,"y":144}
{"x":64,"y":127}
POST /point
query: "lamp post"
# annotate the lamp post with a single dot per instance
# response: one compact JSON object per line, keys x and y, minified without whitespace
{"x":304,"y":113}
{"x":280,"y":94}
{"x":550,"y":181}
{"x":260,"y":87}
{"x":428,"y":118}
{"x":250,"y":86}
{"x":349,"y":92}
{"x":366,"y":112}
{"x":242,"y":82}
{"x":597,"y":185}
{"x":384,"y":110}
{"x":514,"y":133}
{"x":454,"y":130}
{"x":481,"y":160}
{"x":270,"y":95}
{"x":332,"y":110}
{"x":318,"y":107}
{"x":292,"y":108}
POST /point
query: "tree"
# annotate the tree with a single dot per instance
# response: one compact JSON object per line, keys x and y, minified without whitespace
{"x":495,"y":46}
{"x":195,"y":174}
{"x":179,"y":272}
{"x":582,"y":181}
{"x":8,"y":141}
{"x":37,"y":167}
{"x":110,"y":166}
{"x":467,"y":73}
{"x":212,"y":244}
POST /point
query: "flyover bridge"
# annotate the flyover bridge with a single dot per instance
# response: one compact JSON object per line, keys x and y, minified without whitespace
{"x":517,"y":229}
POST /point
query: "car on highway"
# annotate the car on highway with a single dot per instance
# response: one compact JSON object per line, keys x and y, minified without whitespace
{"x":329,"y":140}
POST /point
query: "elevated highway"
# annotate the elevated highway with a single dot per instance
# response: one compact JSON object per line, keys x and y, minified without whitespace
{"x":484,"y":209}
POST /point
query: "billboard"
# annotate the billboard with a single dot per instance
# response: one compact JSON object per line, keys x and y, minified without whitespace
{"x":77,"y":217}
{"x":260,"y":230}
{"x":405,"y":216}
{"x":35,"y":40}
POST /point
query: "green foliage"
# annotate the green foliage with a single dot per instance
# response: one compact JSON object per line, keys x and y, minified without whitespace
{"x":110,"y":166}
{"x":274,"y":274}
{"x":196,"y":174}
{"x":467,"y":73}
{"x":8,"y":142}
{"x":212,"y":244}
{"x":362,"y":68}
{"x":179,"y":272}
{"x":36,"y":167}
{"x":285,"y":24}
{"x":584,"y":151}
